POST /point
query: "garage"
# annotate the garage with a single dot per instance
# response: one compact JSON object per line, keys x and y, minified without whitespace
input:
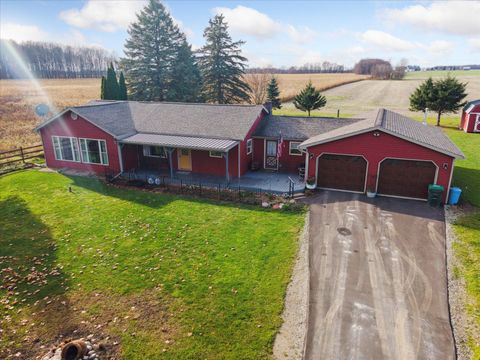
{"x":406,"y":178}
{"x":342,"y":172}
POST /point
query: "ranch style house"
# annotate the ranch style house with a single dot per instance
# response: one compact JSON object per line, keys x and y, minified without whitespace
{"x":382,"y":152}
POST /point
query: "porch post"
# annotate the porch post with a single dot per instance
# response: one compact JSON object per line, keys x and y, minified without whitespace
{"x":120,"y":158}
{"x":170,"y":163}
{"x":227,"y":176}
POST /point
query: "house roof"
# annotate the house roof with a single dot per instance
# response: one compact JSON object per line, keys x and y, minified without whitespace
{"x":185,"y":142}
{"x":125,"y":118}
{"x":395,"y":124}
{"x":470,"y":105}
{"x":297,"y":127}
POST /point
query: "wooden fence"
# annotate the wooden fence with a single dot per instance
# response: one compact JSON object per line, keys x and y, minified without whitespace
{"x":21,"y":158}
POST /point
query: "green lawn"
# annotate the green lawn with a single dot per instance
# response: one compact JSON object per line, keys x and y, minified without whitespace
{"x":164,"y":276}
{"x":441,"y":73}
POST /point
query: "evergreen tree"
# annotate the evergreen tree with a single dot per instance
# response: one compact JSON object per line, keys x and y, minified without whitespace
{"x":273,"y":93}
{"x":151,"y":50}
{"x":442,"y":96}
{"x":309,"y":99}
{"x":111,"y":84}
{"x":222,"y":66}
{"x":102,"y":88}
{"x":186,"y":84}
{"x":122,"y":88}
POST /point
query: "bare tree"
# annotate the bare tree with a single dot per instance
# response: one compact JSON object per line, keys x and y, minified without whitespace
{"x":258,"y":84}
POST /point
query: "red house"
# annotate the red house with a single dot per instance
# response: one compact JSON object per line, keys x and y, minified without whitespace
{"x":471,"y":117}
{"x":385,"y":152}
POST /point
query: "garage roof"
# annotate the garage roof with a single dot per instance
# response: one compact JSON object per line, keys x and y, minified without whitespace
{"x":395,"y":124}
{"x":185,"y":142}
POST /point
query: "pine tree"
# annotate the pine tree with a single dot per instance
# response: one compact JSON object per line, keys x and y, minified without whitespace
{"x":122,"y":88}
{"x":273,"y":93}
{"x":151,"y":50}
{"x":222,"y":66}
{"x":187,"y":82}
{"x":442,"y":96}
{"x":309,"y":99}
{"x":111,"y":84}
{"x":102,"y":88}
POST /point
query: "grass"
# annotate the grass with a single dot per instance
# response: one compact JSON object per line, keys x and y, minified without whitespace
{"x":318,"y":113}
{"x":163,"y":276}
{"x":441,"y":73}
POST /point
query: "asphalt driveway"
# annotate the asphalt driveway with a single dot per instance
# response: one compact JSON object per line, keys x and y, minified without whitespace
{"x":378,"y":287}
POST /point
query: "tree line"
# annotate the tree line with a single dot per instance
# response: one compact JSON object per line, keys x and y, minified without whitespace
{"x":381,"y":69}
{"x":52,"y":61}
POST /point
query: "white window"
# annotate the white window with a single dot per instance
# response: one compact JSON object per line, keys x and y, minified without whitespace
{"x":66,"y":148}
{"x":154,"y":151}
{"x":216,"y":154}
{"x":249,"y":146}
{"x":94,"y":151}
{"x":293,"y":150}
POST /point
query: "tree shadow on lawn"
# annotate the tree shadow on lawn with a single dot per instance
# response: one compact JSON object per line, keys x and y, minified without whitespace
{"x":469,"y":181}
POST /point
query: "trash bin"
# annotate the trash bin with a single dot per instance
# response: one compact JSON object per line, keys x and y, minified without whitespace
{"x":435,"y":195}
{"x":455,"y":193}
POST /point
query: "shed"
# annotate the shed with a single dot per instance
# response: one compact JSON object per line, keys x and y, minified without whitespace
{"x":470,"y":121}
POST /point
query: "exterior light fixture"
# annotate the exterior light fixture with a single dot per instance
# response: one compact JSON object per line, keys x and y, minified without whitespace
{"x":445,"y":166}
{"x":376,"y":133}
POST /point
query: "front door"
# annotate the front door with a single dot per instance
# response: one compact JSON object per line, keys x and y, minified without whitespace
{"x":184,"y":159}
{"x":271,"y":161}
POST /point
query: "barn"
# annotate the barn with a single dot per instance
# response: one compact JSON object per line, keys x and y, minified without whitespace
{"x":470,"y":121}
{"x":386,"y":153}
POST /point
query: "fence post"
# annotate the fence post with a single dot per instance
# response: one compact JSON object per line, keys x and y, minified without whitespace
{"x":21,"y":153}
{"x":338,"y":113}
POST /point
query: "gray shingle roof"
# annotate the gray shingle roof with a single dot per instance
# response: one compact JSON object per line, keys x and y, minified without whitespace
{"x":298,"y":128}
{"x":124,"y":118}
{"x":395,"y":124}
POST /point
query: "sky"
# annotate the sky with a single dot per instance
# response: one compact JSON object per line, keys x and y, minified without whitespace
{"x":277,"y":33}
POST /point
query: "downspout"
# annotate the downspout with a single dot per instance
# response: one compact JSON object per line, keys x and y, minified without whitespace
{"x":120,"y":157}
{"x":239,"y":161}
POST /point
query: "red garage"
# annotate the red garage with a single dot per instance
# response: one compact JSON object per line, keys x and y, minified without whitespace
{"x":471,"y":117}
{"x":386,"y":153}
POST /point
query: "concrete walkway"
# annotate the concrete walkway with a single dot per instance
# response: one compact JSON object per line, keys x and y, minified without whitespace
{"x":378,"y":280}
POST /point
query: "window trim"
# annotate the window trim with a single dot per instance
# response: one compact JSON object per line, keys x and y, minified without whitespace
{"x":149,"y":153}
{"x":290,"y":148}
{"x":106,"y":152}
{"x":249,"y":146}
{"x":215,"y":156}
{"x":73,"y":143}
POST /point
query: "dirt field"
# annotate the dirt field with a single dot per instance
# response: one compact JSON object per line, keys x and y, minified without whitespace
{"x":291,"y":84}
{"x":18,"y":98}
{"x":363,"y":96}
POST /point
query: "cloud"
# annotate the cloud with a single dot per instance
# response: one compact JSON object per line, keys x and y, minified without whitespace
{"x":386,"y":41}
{"x":108,"y":16}
{"x":249,"y":21}
{"x":454,"y":17}
{"x":440,"y":47}
{"x":474,"y":44}
{"x":21,"y":32}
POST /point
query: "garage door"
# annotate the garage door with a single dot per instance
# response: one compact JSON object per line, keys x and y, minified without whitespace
{"x":407,"y":178}
{"x":342,"y":172}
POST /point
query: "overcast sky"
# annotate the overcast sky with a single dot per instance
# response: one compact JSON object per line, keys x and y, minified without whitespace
{"x":278,"y":33}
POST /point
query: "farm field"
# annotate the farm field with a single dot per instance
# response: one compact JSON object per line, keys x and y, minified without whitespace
{"x":360,"y":97}
{"x":18,"y":99}
{"x":150,"y":275}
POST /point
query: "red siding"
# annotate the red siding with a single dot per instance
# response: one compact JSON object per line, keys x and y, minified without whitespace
{"x":246,"y":160}
{"x":79,"y":128}
{"x":258,"y":151}
{"x":375,"y":149}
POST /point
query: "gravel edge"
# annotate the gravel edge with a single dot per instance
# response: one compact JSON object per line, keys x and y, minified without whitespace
{"x":290,"y":340}
{"x":457,"y":296}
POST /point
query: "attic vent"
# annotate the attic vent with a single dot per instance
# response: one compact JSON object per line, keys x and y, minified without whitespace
{"x":74,"y":116}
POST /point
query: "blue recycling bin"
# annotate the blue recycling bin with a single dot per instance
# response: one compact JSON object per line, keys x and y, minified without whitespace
{"x":455,"y":193}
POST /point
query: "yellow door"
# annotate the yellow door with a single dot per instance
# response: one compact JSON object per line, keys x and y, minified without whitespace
{"x":184,"y":159}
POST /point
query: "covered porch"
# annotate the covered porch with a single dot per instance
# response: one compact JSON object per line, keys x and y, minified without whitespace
{"x":172,"y":155}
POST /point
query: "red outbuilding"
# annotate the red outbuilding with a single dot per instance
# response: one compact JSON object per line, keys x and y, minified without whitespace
{"x":470,"y":121}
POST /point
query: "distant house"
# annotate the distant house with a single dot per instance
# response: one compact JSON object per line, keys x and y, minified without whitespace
{"x":470,"y":121}
{"x":383,"y":151}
